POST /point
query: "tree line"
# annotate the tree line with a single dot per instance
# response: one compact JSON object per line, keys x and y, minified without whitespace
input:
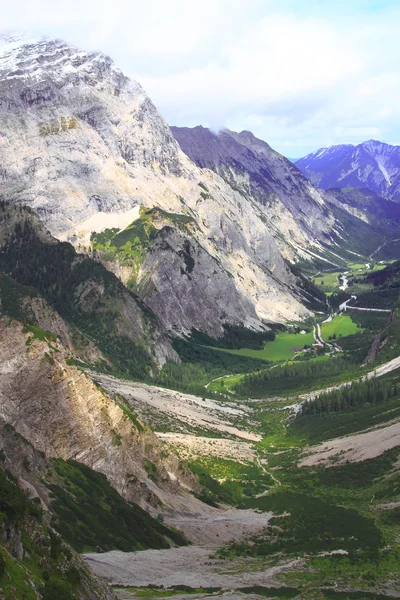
{"x":350,"y":397}
{"x":261,"y":383}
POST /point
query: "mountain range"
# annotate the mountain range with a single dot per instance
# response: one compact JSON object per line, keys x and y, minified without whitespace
{"x":143,"y":271}
{"x":85,"y":148}
{"x":372,"y":165}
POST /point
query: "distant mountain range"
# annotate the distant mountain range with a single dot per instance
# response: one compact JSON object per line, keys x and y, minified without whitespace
{"x":372,"y":165}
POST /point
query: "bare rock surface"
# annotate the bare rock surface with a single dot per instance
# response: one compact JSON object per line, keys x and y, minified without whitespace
{"x":293,"y":207}
{"x":80,"y":141}
{"x":59,"y":410}
{"x":354,"y":448}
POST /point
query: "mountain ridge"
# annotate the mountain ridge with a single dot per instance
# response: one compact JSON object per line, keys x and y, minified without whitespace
{"x":371,"y":164}
{"x":81,"y":141}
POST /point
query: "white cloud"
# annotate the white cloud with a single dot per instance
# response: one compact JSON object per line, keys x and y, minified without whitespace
{"x":298,"y":81}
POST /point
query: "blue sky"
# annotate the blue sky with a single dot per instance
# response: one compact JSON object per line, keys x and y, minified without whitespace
{"x":300,"y":74}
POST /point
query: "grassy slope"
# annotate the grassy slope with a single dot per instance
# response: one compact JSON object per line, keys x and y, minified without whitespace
{"x":130,"y":245}
{"x":48,"y":565}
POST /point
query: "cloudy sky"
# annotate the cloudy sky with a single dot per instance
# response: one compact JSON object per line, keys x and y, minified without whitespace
{"x":300,"y":74}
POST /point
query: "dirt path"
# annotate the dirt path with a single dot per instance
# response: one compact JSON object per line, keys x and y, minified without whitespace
{"x":278,"y":483}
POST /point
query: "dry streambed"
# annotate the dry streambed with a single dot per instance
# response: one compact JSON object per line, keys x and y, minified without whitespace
{"x":209,"y":528}
{"x":196,"y":412}
{"x":354,"y":448}
{"x":193,"y":567}
{"x":206,"y":527}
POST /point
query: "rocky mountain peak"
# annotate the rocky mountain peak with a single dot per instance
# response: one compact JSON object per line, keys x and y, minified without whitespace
{"x":372,"y":164}
{"x":54,"y":60}
{"x":252,"y":166}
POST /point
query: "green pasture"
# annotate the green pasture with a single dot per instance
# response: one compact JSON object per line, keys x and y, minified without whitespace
{"x":279,"y":349}
{"x":328,"y":281}
{"x":341,"y":326}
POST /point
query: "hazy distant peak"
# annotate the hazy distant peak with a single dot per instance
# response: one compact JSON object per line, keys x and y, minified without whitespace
{"x":372,"y":164}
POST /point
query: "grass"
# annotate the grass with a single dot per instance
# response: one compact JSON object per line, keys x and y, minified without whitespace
{"x":279,"y":349}
{"x":358,"y":266}
{"x":317,"y":428}
{"x":47,"y":566}
{"x":270,"y":592}
{"x":328,"y":281}
{"x":362,"y":267}
{"x":231,"y":383}
{"x":323,"y":510}
{"x":247,"y":478}
{"x":224,"y":384}
{"x":130,"y":245}
{"x":15,"y":580}
{"x":308,"y":524}
{"x":340,"y":326}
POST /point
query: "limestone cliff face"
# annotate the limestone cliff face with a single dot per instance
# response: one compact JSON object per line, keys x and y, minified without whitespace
{"x":295,"y":211}
{"x":85,"y":147}
{"x":192,"y":289}
{"x":60,"y":411}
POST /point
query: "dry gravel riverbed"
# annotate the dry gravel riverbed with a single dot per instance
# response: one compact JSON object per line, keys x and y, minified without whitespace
{"x":196,"y":412}
{"x":193,"y":566}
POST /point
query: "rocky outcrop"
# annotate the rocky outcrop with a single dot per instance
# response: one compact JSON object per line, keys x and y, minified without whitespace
{"x":188,"y":288}
{"x":62,"y":413}
{"x":38,"y":311}
{"x":92,"y":301}
{"x":295,"y":211}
